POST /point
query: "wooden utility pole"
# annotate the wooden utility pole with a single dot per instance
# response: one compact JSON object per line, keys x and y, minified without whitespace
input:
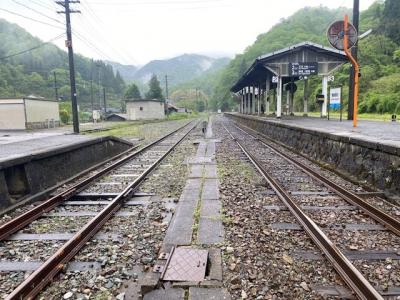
{"x":166,"y":87}
{"x":91,"y":87}
{"x":68,"y":43}
{"x":105,"y":101}
{"x":55,"y":85}
{"x":354,"y":52}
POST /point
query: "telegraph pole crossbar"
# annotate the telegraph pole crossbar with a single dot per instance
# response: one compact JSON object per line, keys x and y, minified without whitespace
{"x":68,"y":43}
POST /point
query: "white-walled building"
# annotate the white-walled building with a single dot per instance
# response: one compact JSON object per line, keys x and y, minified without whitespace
{"x":28,"y":113}
{"x":145,"y":109}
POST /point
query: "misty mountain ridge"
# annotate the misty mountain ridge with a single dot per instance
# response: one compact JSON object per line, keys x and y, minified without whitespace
{"x":179,"y":69}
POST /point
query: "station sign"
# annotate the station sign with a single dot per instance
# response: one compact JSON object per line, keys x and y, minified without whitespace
{"x":303,"y":69}
{"x":334,"y":98}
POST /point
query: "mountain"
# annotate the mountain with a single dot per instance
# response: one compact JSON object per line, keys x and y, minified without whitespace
{"x":181,"y":68}
{"x":127,"y":71}
{"x":28,"y":65}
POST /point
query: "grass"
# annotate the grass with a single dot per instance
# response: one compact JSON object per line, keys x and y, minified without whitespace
{"x":364,"y":116}
{"x":134,"y":128}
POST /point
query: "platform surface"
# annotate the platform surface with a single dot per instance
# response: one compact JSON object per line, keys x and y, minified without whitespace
{"x":28,"y":146}
{"x":387,"y":133}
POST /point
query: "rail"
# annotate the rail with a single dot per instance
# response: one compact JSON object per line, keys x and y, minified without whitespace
{"x":353,"y":278}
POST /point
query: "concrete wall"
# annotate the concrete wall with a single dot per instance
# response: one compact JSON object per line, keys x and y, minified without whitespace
{"x":375,"y":164}
{"x":27,"y":178}
{"x":41,"y":113}
{"x":145,"y":110}
{"x":12,"y":114}
{"x":28,"y":114}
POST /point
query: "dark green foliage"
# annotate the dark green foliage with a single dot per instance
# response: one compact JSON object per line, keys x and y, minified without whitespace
{"x":132,"y":92}
{"x":32,"y":72}
{"x":155,"y":91}
{"x":391,"y":20}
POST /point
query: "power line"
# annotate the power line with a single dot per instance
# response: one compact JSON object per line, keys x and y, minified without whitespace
{"x":87,"y":42}
{"x":38,"y":12}
{"x":43,"y":5}
{"x":132,"y":3}
{"x":29,"y":18}
{"x":33,"y":48}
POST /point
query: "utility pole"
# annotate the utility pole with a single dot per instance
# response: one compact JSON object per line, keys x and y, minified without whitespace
{"x":65,"y":4}
{"x":105,"y":103}
{"x":98,"y":65}
{"x":91,"y":87}
{"x":354,"y":52}
{"x":166,"y":87}
{"x":55,"y":85}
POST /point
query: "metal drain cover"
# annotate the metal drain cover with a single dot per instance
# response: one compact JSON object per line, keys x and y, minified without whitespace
{"x":186,"y":264}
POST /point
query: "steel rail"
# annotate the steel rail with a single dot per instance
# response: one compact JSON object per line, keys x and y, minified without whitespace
{"x":47,"y":271}
{"x":28,"y":217}
{"x":377,"y":214}
{"x":353,"y":278}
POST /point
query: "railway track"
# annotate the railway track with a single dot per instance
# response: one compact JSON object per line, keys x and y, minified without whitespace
{"x":285,"y":174}
{"x":89,"y":203}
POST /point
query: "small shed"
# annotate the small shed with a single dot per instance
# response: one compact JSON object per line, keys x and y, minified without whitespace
{"x":117,"y":117}
{"x":171,"y":108}
{"x":143,"y":109}
{"x":28,"y":113}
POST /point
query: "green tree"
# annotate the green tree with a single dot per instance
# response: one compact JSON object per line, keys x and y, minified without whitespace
{"x":391,"y":20}
{"x":132,"y":92}
{"x":155,"y":91}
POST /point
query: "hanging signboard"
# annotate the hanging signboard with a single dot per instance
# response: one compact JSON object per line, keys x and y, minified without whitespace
{"x":335,"y":96}
{"x":303,"y":69}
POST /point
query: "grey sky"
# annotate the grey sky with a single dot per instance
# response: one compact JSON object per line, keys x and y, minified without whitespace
{"x":137,"y":31}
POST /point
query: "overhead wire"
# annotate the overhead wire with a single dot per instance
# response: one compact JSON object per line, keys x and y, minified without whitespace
{"x":42,"y":5}
{"x":90,"y":20}
{"x":33,"y":48}
{"x":29,"y":18}
{"x":38,"y":12}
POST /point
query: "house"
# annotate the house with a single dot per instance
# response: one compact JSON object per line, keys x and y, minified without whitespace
{"x":143,"y":109}
{"x":28,"y":113}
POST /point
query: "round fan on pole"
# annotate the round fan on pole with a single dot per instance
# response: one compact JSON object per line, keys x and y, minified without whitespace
{"x":335,"y":35}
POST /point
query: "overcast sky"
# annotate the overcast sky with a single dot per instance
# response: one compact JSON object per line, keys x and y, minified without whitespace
{"x":137,"y":31}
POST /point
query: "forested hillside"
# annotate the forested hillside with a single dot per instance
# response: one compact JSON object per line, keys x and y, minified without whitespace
{"x":180,"y":69}
{"x":33,"y":72}
{"x":379,"y":55}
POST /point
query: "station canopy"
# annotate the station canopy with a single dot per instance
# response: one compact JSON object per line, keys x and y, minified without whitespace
{"x":279,"y":63}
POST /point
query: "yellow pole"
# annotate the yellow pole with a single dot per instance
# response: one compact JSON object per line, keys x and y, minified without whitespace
{"x":355,"y":65}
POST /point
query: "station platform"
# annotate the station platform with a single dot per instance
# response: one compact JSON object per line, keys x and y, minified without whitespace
{"x":23,"y":146}
{"x":374,"y":131}
{"x":31,"y":164}
{"x":369,"y":153}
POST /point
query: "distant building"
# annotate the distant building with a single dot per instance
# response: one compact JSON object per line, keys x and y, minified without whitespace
{"x":117,"y":117}
{"x":171,"y":108}
{"x":145,"y":109}
{"x":28,"y":113}
{"x":182,"y":110}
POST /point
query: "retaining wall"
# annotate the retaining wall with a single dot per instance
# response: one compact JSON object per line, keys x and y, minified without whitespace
{"x":373,"y":163}
{"x":28,"y":178}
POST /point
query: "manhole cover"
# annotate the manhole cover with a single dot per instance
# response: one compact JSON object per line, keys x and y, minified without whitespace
{"x":186,"y":264}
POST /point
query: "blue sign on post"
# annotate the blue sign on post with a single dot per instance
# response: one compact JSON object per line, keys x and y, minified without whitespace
{"x":335,"y":96}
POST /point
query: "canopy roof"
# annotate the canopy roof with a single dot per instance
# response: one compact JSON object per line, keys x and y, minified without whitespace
{"x":277,"y":63}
